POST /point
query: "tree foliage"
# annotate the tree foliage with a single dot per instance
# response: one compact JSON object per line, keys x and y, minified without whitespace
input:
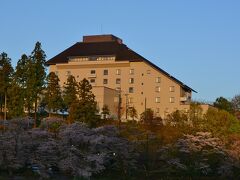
{"x":6,"y":72}
{"x":132,"y":112}
{"x":84,"y":109}
{"x":70,"y":91}
{"x":147,"y":116}
{"x":53,"y":95}
{"x":22,"y":77}
{"x":16,"y":100}
{"x":37,"y":75}
{"x":223,"y":104}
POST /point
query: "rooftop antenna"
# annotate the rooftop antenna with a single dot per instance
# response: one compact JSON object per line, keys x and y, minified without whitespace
{"x":101,"y":28}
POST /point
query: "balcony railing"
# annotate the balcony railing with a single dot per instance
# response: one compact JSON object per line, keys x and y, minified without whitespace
{"x":183,"y":99}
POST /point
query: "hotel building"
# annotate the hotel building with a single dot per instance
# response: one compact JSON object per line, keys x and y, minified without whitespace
{"x":112,"y":67}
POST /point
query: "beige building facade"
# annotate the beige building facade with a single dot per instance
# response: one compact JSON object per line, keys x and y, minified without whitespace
{"x":108,"y":63}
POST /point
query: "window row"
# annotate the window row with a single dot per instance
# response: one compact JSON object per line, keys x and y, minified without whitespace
{"x":157,"y":100}
{"x":118,"y":71}
{"x":118,"y":81}
{"x":171,"y":99}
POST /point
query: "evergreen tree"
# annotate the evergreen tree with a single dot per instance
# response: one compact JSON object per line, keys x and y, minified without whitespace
{"x":132,"y":112}
{"x":6,"y":72}
{"x":70,"y":91}
{"x":22,"y":76}
{"x":53,"y":96}
{"x":73,"y":111}
{"x":85,"y":92}
{"x":147,"y":116}
{"x":16,"y":101}
{"x":85,"y":108}
{"x":37,"y":75}
{"x":223,"y":104}
{"x":87,"y":104}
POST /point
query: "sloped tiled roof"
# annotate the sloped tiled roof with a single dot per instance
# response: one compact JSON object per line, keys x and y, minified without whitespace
{"x":119,"y":50}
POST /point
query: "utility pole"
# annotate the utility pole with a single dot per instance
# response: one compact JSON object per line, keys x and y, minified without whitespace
{"x":119,"y":108}
{"x":145,"y":109}
{"x":5,"y":110}
{"x":126,"y":106}
{"x":5,"y":99}
{"x":5,"y":106}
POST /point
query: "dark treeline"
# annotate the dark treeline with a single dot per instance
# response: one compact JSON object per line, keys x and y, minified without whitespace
{"x":28,"y":91}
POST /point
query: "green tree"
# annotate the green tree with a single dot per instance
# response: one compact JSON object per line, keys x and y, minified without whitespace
{"x":132,"y":112}
{"x":73,"y":112}
{"x":85,"y":108}
{"x":37,"y":75}
{"x":16,"y":101}
{"x":219,"y":122}
{"x":223,"y":104}
{"x":195,"y":113}
{"x":177,"y":118}
{"x":87,"y":103}
{"x":21,"y":77}
{"x":53,"y":97}
{"x":105,"y":111}
{"x":147,"y":116}
{"x":85,"y":92}
{"x":6,"y":72}
{"x":70,"y":91}
{"x":21,"y":74}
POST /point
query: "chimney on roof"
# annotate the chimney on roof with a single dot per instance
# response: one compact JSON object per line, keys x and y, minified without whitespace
{"x":101,"y":38}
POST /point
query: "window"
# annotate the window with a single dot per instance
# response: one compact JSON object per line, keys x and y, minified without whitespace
{"x":141,"y":92}
{"x":157,"y":99}
{"x":148,"y":71}
{"x":77,"y":76}
{"x":131,"y":71}
{"x":93,"y":72}
{"x":131,"y":80}
{"x":131,"y":90}
{"x":157,"y":88}
{"x":118,"y":71}
{"x":92,"y":80}
{"x":157,"y":110}
{"x":171,"y":99}
{"x":158,"y":79}
{"x":171,"y":89}
{"x":118,"y":81}
{"x":105,"y":81}
{"x":105,"y":72}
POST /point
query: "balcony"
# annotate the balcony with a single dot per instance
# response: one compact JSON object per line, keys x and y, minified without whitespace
{"x":183,"y":99}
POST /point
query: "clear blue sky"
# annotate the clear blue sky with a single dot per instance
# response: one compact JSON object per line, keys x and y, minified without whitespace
{"x":198,"y":42}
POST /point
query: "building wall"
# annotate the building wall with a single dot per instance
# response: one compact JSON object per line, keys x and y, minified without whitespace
{"x":106,"y":96}
{"x":144,"y":85}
